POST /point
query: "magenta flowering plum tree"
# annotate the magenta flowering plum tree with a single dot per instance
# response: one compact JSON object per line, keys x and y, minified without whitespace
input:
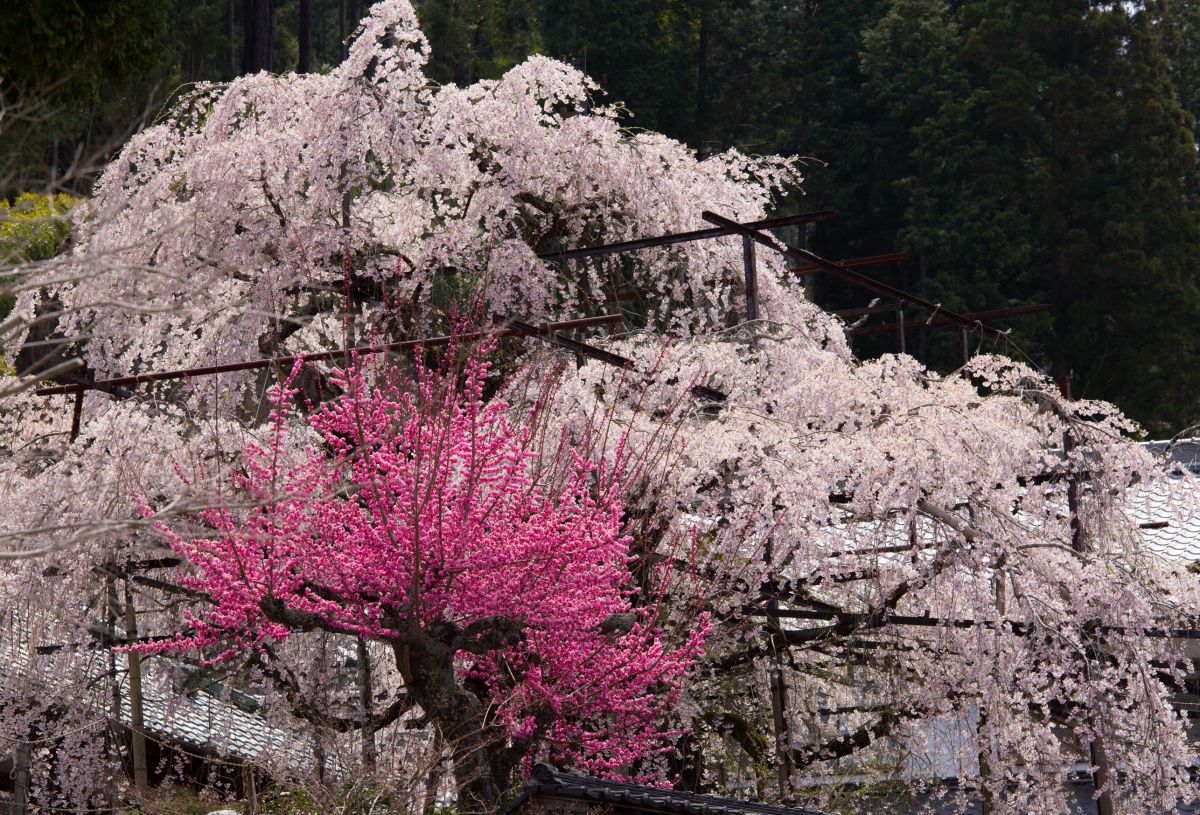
{"x":497,"y":575}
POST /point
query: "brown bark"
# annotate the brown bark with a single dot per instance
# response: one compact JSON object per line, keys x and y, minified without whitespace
{"x":427,"y":666}
{"x":842,"y":746}
{"x":425,"y":660}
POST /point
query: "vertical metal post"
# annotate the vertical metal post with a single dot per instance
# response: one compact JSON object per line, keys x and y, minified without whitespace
{"x":900,"y":325}
{"x":21,"y":767}
{"x":966,"y":347}
{"x":749,"y":261}
{"x":1097,"y":753}
{"x":77,"y":414}
{"x":783,"y":739}
{"x":369,"y":754}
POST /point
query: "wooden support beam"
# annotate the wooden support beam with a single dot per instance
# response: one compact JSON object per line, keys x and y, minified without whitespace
{"x":22,"y":767}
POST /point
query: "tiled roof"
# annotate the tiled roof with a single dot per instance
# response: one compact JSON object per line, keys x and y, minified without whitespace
{"x":203,"y":720}
{"x":207,"y":722}
{"x":549,"y":782}
{"x":1183,"y":451}
{"x":1167,"y":528}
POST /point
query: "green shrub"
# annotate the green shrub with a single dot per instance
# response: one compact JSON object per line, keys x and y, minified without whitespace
{"x":32,"y":227}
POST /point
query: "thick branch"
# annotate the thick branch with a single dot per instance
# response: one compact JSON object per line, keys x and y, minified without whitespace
{"x":845,"y":745}
{"x":285,"y":680}
{"x":488,"y":634}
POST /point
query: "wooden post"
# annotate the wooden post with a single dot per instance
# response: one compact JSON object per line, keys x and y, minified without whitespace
{"x":434,"y":779}
{"x":900,"y":329}
{"x":112,"y":611}
{"x":250,"y":789}
{"x":137,"y":726}
{"x":77,"y":412}
{"x":966,"y":347}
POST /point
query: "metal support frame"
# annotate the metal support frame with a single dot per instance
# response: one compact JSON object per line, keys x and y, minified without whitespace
{"x":937,"y":321}
{"x":503,"y":330}
{"x":870,"y":260}
{"x":686,"y":237}
{"x":599,"y":354}
{"x":844,"y":272}
{"x":803,"y":263}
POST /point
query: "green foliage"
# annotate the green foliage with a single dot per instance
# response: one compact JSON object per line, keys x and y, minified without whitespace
{"x":173,"y":800}
{"x":80,"y":47}
{"x":32,"y":227}
{"x":75,"y":75}
{"x":361,"y":799}
{"x":478,"y":39}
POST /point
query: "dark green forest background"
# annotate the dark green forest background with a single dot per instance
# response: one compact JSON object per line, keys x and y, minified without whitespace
{"x":1022,"y":151}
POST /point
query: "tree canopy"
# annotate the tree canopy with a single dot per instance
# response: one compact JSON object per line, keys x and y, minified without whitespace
{"x":900,"y":553}
{"x":1021,"y":153}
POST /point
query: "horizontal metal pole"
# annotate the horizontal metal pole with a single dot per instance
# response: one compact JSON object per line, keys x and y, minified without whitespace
{"x":998,"y":314}
{"x":685,"y":237}
{"x":870,"y":260}
{"x":890,"y":308}
{"x":599,"y":354}
{"x":878,"y":620}
{"x":363,"y":350}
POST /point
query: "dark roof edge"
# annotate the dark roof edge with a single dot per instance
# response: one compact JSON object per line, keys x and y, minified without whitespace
{"x":549,"y":781}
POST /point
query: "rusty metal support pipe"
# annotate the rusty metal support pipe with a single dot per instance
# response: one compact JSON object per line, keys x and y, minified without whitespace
{"x":504,"y":330}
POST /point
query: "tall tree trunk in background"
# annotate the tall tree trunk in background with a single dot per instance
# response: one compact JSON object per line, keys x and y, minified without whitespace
{"x":230,"y":29}
{"x":342,"y":30}
{"x":304,"y":34}
{"x":258,"y":20}
{"x":271,"y":35}
{"x":701,"y":124}
{"x":249,"y":35}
